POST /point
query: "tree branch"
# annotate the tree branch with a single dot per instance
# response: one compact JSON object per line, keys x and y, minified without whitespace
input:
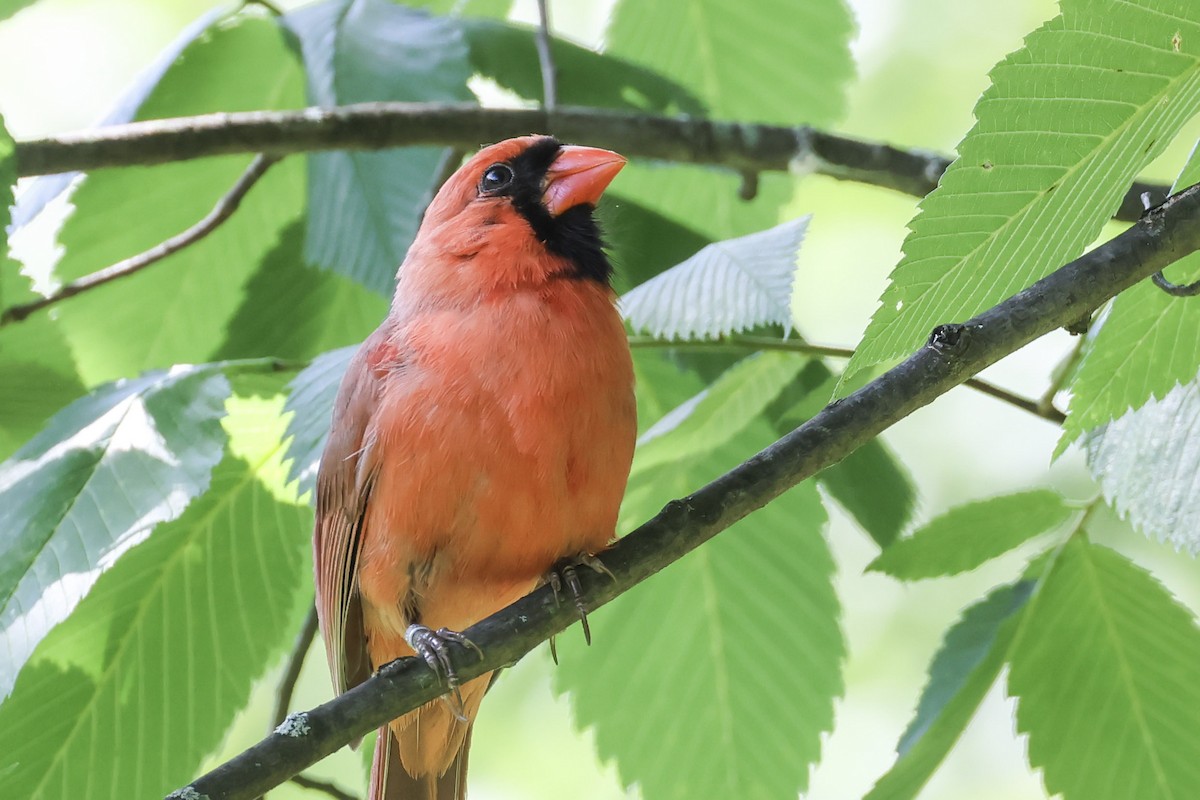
{"x":1044,"y":408}
{"x":546,"y":58}
{"x":742,"y":147}
{"x":291,"y":674}
{"x":222,"y":211}
{"x":952,"y":354}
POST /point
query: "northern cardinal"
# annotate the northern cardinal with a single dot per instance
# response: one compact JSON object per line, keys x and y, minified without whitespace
{"x":482,"y":434}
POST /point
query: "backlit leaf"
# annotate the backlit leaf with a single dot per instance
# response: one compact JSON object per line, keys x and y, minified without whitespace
{"x":176,"y":310}
{"x":1148,"y":344}
{"x":127,"y":697}
{"x":962,"y":672}
{"x":970,"y":535}
{"x":1070,"y":119}
{"x":1105,"y":683}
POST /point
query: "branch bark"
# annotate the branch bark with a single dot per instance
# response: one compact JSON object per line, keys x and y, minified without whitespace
{"x":745,"y":148}
{"x":953,"y":354}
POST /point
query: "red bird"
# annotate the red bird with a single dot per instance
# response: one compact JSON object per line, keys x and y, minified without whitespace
{"x":482,"y":434}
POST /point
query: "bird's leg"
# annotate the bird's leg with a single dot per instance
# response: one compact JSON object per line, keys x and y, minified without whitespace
{"x":564,"y":575}
{"x":434,"y":647}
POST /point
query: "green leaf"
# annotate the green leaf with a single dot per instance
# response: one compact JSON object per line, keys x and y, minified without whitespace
{"x":364,"y":207}
{"x":798,"y":73}
{"x":729,"y":660}
{"x":874,"y":488}
{"x":726,"y":287}
{"x":1146,"y":463}
{"x":36,"y":368}
{"x":1070,"y":119}
{"x":1104,"y":676}
{"x":292,"y":310}
{"x":176,"y":310}
{"x":1148,"y":343}
{"x":311,"y":405}
{"x":720,"y":412}
{"x":962,"y":672}
{"x":106,"y":470}
{"x":43,"y":189}
{"x":970,"y":535}
{"x":642,"y":241}
{"x":10,"y":7}
{"x":507,"y":54}
{"x":870,"y":483}
{"x":798,"y":70}
{"x":164,"y":651}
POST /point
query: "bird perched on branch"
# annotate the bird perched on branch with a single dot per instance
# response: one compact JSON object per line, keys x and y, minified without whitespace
{"x":481,"y":439}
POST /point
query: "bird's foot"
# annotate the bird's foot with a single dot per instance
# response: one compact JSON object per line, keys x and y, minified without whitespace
{"x":434,"y":647}
{"x":564,"y":575}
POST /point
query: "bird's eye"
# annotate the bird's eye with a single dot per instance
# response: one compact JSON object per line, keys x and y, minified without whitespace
{"x":497,"y":177}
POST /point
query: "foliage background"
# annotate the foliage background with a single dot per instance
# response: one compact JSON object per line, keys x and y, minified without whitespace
{"x":922,"y":65}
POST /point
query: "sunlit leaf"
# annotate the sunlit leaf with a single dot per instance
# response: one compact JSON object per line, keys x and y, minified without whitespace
{"x":720,"y":412}
{"x":969,"y":535}
{"x":1104,"y":676}
{"x":364,"y":206}
{"x":45,"y":188}
{"x":104,"y":472}
{"x":292,"y":310}
{"x":1070,"y":119}
{"x":1148,"y":466}
{"x":36,"y":368}
{"x":164,"y":651}
{"x":176,"y":310}
{"x":727,"y":287}
{"x":1148,"y":344}
{"x":796,"y":72}
{"x":962,"y":672}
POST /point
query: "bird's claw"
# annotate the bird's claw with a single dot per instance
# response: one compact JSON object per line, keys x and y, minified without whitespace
{"x":564,"y":575}
{"x":434,"y":648}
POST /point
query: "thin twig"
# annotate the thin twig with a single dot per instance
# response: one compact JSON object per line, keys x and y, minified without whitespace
{"x":322,"y":786}
{"x":220,"y":212}
{"x":546,"y":58}
{"x":287,"y":682}
{"x":1061,"y":375}
{"x":741,"y":147}
{"x":737,"y":341}
{"x":953,"y":354}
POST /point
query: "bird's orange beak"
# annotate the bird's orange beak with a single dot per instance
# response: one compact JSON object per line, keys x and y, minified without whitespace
{"x":579,"y":175}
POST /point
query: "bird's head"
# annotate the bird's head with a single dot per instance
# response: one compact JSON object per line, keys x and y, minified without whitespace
{"x":518,"y":213}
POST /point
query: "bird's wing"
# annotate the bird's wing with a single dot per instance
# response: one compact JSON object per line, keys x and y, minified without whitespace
{"x":344,"y":483}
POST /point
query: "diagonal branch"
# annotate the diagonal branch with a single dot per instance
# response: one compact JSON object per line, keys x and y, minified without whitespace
{"x":222,"y":211}
{"x":952,"y":354}
{"x":743,"y":147}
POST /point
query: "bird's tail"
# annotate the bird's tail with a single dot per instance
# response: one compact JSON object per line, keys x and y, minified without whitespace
{"x":423,"y":755}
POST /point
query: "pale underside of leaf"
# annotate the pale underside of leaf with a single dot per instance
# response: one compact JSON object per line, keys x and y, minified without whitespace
{"x":726,"y":287}
{"x":1148,"y":466}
